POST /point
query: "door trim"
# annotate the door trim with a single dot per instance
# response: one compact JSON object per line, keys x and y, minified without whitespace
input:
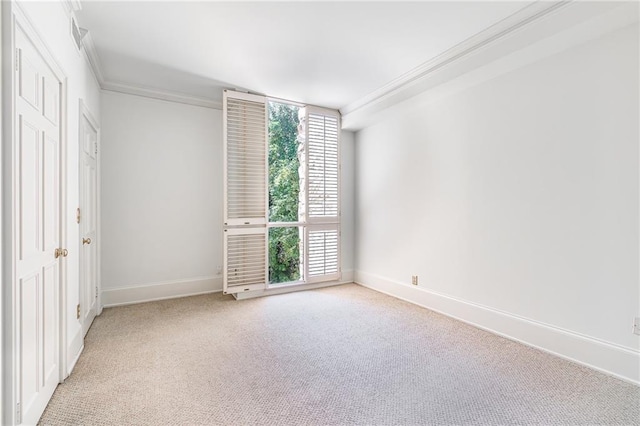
{"x":14,"y":17}
{"x":2,"y":192}
{"x":85,"y":112}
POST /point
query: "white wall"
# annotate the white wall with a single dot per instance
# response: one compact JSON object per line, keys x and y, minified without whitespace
{"x":162,"y":199}
{"x":161,"y":193}
{"x":516,"y":199}
{"x":52,"y":24}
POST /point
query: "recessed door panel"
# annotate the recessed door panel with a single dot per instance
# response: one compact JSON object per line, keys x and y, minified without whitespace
{"x":49,"y":324}
{"x":50,"y":194}
{"x":30,"y":320}
{"x":29,"y":189}
{"x":51,"y":101}
{"x":28,"y":80}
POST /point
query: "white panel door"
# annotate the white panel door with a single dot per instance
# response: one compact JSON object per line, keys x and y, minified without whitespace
{"x":36,"y":232}
{"x":88,"y":216}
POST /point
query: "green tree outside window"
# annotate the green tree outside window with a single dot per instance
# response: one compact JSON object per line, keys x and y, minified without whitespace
{"x":284,"y":192}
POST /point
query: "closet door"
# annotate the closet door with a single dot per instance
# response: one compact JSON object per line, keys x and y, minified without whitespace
{"x":37,"y":235}
{"x":245,"y":192}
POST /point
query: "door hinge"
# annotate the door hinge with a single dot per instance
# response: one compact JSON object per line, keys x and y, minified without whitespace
{"x":78,"y":311}
{"x":18,"y":414}
{"x":96,"y":292}
{"x":78,"y":215}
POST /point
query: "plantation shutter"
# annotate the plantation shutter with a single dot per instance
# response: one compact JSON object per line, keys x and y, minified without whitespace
{"x":245,"y":192}
{"x":323,"y":195}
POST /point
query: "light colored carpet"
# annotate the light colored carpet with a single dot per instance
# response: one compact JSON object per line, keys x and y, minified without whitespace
{"x":337,"y":356}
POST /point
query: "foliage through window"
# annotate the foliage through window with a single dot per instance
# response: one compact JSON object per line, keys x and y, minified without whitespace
{"x":284,"y":193}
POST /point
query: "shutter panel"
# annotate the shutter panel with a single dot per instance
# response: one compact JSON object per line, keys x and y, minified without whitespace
{"x":246,"y":259}
{"x":322,"y":142}
{"x":323,"y":249}
{"x":322,"y":239}
{"x":245,"y":192}
{"x":245,"y":128}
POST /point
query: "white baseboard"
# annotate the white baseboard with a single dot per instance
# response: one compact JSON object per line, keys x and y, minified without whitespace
{"x":160,"y":290}
{"x":609,"y":358}
{"x":347,"y":278}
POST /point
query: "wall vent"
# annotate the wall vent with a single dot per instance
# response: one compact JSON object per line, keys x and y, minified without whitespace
{"x":77,"y":34}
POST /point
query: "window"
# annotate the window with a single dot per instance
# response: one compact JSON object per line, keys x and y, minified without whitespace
{"x":281,"y":188}
{"x":286,"y":235}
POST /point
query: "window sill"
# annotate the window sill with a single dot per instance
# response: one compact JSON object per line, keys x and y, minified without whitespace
{"x":287,"y":288}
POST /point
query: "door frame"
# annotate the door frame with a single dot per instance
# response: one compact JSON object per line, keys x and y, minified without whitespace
{"x":2,"y":192}
{"x":85,"y":112}
{"x":13,"y":17}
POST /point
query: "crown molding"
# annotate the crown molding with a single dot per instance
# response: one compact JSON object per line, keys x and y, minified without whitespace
{"x":163,"y":95}
{"x":449,"y":83}
{"x":525,"y":16}
{"x":93,"y":58}
{"x":96,"y":66}
{"x":535,"y":22}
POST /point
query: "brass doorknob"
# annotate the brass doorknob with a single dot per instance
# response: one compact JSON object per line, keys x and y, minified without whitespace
{"x":86,"y":241}
{"x":60,"y":252}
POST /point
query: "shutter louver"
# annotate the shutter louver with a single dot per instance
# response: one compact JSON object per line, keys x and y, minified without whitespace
{"x":246,"y":161}
{"x":322,"y":239}
{"x":323,"y":254}
{"x":322,"y":165}
{"x":246,"y":259}
{"x":245,"y":192}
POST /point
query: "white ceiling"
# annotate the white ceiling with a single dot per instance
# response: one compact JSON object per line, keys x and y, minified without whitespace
{"x":322,"y":53}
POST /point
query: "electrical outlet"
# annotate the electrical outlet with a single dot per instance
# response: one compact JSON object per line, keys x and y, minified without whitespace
{"x":636,"y":326}
{"x":414,"y":279}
